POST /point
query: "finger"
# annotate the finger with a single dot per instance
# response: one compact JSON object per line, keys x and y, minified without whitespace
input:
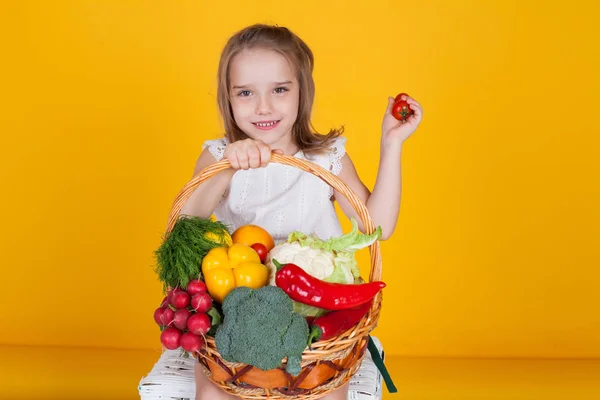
{"x":417,"y":116}
{"x":265,"y":154}
{"x":242,"y":157}
{"x":278,"y":151}
{"x":248,"y":152}
{"x":418,"y":111}
{"x":413,"y":102}
{"x":416,"y":107}
{"x":233,"y":160}
{"x":254,"y":157}
{"x":389,"y":106}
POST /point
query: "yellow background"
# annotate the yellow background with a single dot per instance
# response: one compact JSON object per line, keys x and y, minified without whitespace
{"x":105,"y":105}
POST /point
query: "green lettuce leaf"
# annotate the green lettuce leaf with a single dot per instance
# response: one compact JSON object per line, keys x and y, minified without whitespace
{"x":308,"y":311}
{"x":353,"y":240}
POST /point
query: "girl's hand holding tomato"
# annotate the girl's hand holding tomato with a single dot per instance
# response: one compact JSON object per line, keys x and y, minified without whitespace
{"x":401,"y":109}
{"x":409,"y":115}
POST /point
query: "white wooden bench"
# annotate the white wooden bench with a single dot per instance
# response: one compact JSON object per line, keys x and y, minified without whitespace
{"x":172,"y":378}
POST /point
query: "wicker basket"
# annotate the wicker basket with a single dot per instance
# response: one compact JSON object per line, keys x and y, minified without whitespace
{"x":329,"y":364}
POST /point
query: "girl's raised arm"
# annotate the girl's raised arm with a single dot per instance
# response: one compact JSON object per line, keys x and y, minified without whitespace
{"x":204,"y":200}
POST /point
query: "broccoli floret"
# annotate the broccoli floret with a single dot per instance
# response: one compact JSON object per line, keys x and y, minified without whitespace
{"x":294,"y":342}
{"x":274,"y":297}
{"x":235,"y":297}
{"x":260,"y":328}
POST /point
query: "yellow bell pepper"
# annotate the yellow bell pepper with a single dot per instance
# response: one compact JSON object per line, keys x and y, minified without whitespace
{"x":225,"y":268}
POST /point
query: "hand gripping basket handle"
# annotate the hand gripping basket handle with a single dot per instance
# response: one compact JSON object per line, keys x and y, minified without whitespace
{"x":323,"y":174}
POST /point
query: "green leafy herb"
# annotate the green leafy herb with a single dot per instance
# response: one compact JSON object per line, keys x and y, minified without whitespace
{"x":179,"y":257}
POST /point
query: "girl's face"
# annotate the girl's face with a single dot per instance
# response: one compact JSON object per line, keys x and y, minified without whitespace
{"x":264,"y":96}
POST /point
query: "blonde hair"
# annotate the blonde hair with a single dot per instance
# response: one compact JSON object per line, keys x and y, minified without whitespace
{"x":299,"y":55}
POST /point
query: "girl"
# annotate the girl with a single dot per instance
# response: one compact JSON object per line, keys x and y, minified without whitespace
{"x":265,"y":95}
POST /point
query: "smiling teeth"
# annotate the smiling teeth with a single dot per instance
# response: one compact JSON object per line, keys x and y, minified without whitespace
{"x":267,"y":124}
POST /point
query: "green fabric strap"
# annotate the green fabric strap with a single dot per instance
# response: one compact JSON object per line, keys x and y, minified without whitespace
{"x":380,"y":366}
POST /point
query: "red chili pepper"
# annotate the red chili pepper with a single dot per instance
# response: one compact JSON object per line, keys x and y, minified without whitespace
{"x":336,"y":322}
{"x":307,"y":289}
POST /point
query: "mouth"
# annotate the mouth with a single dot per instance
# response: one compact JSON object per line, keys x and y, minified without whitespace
{"x":266,"y":125}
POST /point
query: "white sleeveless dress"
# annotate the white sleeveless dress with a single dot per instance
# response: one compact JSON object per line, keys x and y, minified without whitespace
{"x":280,"y":198}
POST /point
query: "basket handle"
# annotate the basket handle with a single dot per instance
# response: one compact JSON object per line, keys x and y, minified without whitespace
{"x":320,"y":172}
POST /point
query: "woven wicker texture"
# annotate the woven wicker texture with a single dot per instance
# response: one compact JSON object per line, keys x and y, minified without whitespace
{"x":172,"y":378}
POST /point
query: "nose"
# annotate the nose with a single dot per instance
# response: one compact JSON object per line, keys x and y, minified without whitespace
{"x":263,"y":106}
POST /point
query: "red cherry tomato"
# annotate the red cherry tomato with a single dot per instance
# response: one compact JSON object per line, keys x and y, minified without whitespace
{"x":261,"y":250}
{"x":401,"y":110}
{"x":399,"y":97}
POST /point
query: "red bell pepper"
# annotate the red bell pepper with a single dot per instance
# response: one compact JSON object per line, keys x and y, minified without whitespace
{"x":336,"y":322}
{"x":307,"y":289}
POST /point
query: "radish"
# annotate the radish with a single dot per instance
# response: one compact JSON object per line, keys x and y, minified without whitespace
{"x":170,"y":338}
{"x":171,"y":292}
{"x":192,"y":343}
{"x":196,"y":286}
{"x":199,"y":324}
{"x":180,"y":299}
{"x":167,"y":316}
{"x":180,"y":318}
{"x":170,"y":295}
{"x":158,"y":315}
{"x":201,"y":302}
{"x":164,"y":302}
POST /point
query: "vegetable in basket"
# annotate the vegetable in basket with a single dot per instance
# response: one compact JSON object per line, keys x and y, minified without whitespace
{"x":227,"y":268}
{"x":336,"y":323}
{"x":260,"y":329}
{"x":307,"y":289}
{"x":331,"y":260}
{"x":179,"y":256}
{"x":185,"y":316}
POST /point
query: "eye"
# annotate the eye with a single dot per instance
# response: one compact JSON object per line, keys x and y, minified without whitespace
{"x":281,"y":89}
{"x":244,"y":93}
